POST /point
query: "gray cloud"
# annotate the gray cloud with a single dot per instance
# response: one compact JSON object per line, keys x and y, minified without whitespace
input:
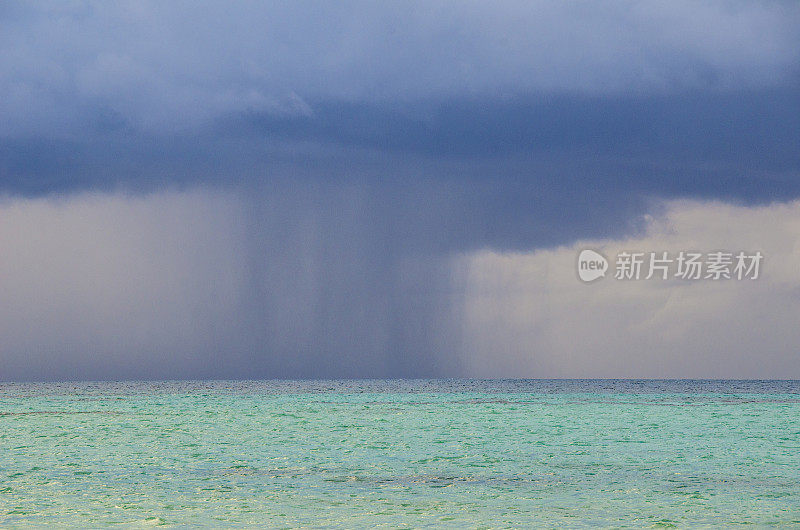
{"x":158,"y":66}
{"x":277,"y":189}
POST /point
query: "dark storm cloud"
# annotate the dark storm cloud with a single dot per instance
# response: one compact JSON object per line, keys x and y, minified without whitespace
{"x":542,"y":149}
{"x":657,"y":98}
{"x":370,"y":142}
{"x":174,"y":66}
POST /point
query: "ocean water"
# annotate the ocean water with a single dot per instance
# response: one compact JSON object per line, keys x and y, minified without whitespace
{"x":441,"y":453}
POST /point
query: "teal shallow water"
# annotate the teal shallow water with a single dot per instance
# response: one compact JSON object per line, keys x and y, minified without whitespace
{"x":437,"y":453}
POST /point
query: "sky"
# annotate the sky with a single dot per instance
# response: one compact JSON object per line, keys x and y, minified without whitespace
{"x":394,"y":189}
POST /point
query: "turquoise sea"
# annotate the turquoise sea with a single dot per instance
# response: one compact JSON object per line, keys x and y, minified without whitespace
{"x":442,"y":453}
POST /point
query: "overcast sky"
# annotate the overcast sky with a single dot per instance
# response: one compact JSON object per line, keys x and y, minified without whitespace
{"x":362,"y":189}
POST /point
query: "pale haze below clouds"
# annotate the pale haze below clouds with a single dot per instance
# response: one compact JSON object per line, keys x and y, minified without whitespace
{"x":98,"y":286}
{"x":108,"y":286}
{"x":208,"y":283}
{"x":528,"y":315}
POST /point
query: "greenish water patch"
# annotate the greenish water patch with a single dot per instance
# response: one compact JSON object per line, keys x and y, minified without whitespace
{"x":400,"y":453}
